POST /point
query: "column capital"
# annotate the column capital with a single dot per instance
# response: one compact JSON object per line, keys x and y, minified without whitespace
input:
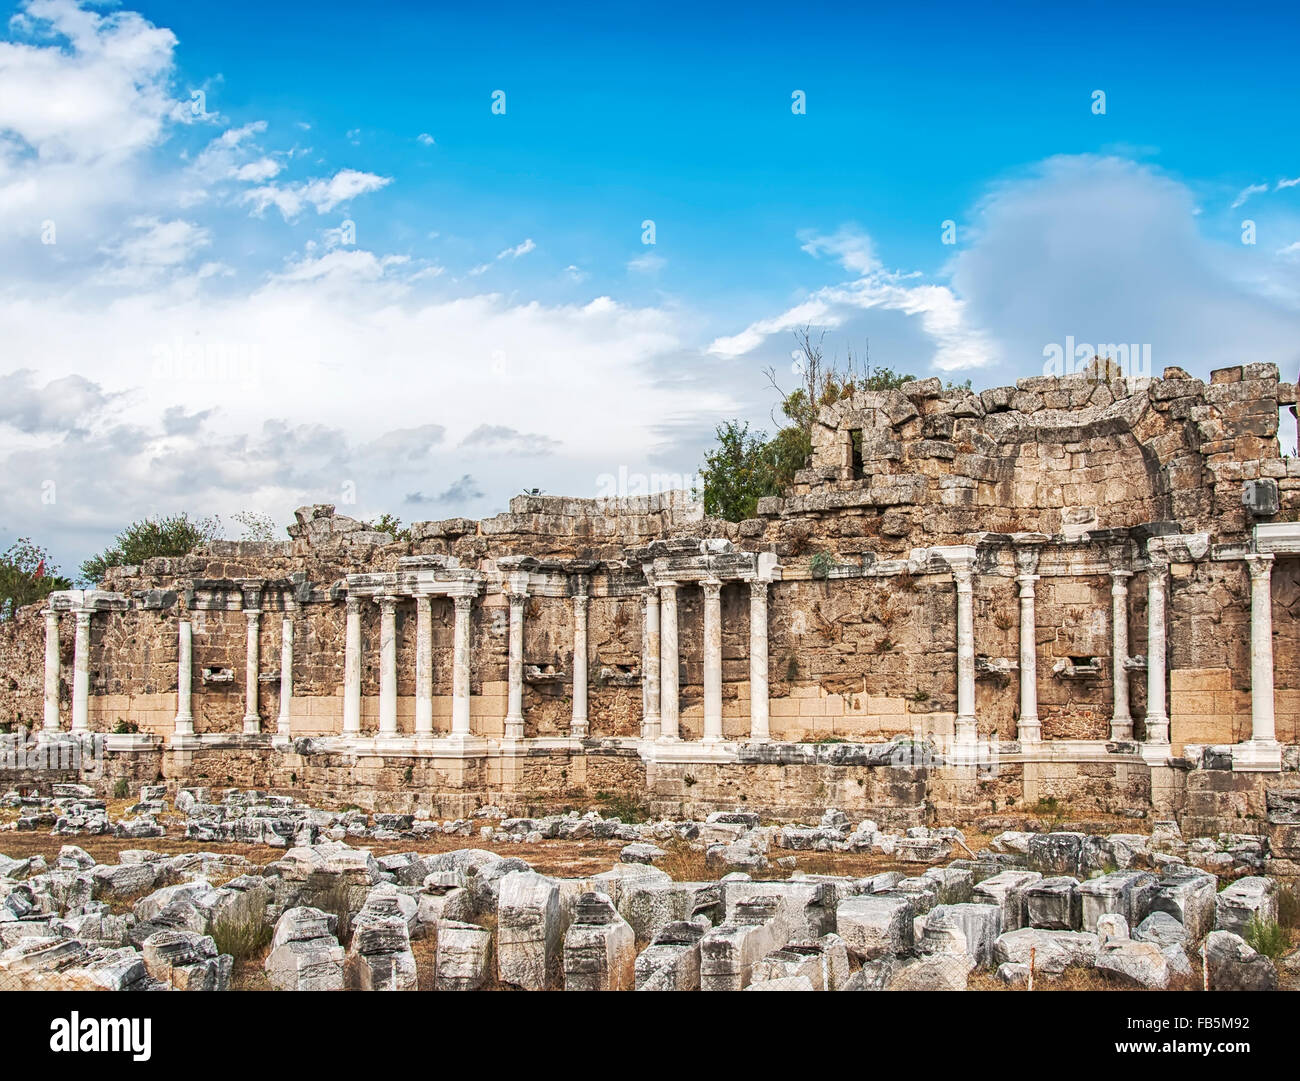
{"x":353,"y":604}
{"x":83,"y":617}
{"x":386,"y":601}
{"x":1157,"y":570}
{"x":712,"y":587}
{"x":515,"y":586}
{"x":1119,"y":573}
{"x":758,"y":587}
{"x":463,"y":601}
{"x":1260,"y":564}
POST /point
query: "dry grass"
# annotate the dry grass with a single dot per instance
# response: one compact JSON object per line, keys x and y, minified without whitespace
{"x":1074,"y":978}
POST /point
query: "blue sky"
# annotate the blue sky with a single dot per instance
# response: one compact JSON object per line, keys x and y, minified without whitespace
{"x":394,"y":299}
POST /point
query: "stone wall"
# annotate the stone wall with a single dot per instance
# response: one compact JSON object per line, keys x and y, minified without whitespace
{"x":1098,"y":481}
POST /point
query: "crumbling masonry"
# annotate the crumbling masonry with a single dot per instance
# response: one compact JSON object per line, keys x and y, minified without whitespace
{"x":1069,"y":588}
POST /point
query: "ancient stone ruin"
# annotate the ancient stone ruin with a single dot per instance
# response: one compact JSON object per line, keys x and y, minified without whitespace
{"x":1071,"y":590}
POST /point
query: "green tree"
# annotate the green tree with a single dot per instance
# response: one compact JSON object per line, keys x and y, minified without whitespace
{"x":737,"y":472}
{"x":392,"y":525}
{"x":175,"y":536}
{"x":27,"y":575}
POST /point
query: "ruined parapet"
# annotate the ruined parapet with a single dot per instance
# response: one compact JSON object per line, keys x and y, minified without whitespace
{"x":1043,"y":455}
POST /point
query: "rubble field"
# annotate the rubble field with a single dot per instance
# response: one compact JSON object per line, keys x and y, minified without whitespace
{"x":243,"y":890}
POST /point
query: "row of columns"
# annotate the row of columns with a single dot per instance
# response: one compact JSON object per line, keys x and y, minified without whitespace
{"x":1029,"y":728}
{"x":661,"y":659}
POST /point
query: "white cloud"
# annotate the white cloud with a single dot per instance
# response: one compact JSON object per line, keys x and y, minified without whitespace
{"x":1246,"y":193}
{"x":321,"y":193}
{"x":425,"y":139}
{"x":517,"y":250}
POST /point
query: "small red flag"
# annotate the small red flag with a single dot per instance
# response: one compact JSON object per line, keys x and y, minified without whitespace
{"x":40,"y":570}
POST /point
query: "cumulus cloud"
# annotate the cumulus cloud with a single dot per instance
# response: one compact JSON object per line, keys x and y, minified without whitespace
{"x":499,"y":437}
{"x":322,"y":194}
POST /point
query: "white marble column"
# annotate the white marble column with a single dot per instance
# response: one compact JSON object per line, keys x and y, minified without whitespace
{"x":1121,"y":721}
{"x":50,"y":722}
{"x":1028,"y":729}
{"x":669,"y":728}
{"x":650,"y":666}
{"x":581,"y":726}
{"x":81,"y":674}
{"x":352,"y":669}
{"x":282,"y":723}
{"x":387,"y":667}
{"x":184,"y":681}
{"x":424,"y":667}
{"x":514,"y":725}
{"x":759,"y":706}
{"x":460,"y":671}
{"x":712,"y":661}
{"x":252,"y":722}
{"x":1157,"y":711}
{"x":962,"y":571}
{"x":1262,"y":728}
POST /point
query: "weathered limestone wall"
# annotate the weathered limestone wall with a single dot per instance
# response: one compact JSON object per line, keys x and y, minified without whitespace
{"x":1072,"y":494}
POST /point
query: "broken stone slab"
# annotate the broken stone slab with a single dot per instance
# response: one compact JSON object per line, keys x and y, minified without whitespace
{"x":956,"y":884}
{"x":789,"y":983}
{"x":1053,"y":951}
{"x":1007,"y":890}
{"x":150,"y":906}
{"x":825,"y":963}
{"x":980,"y":926}
{"x":933,"y":972}
{"x":1162,"y":929}
{"x":1234,"y":966}
{"x":1128,"y":893}
{"x":1054,"y":904}
{"x":1059,"y":853}
{"x":379,"y":956}
{"x":305,"y":955}
{"x":1189,"y":896}
{"x":728,"y":952}
{"x":125,"y":880}
{"x":1246,"y":899}
{"x":530,"y":937}
{"x":650,"y":906}
{"x":1134,"y":964}
{"x":875,"y":925}
{"x":599,"y":947}
{"x":808,"y":910}
{"x":641,"y":853}
{"x":672,"y":961}
{"x":463,"y":960}
{"x":186,"y":961}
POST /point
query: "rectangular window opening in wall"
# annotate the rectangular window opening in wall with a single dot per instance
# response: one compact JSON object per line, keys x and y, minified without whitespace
{"x":1288,"y":431}
{"x":855,"y":439}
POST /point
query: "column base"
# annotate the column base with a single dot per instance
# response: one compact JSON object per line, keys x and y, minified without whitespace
{"x":184,"y":741}
{"x":1121,"y":729}
{"x":514,"y":728}
{"x":1029,"y":731}
{"x":1257,"y":756}
{"x":1155,"y":753}
{"x":252,"y":726}
{"x":577,"y":732}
